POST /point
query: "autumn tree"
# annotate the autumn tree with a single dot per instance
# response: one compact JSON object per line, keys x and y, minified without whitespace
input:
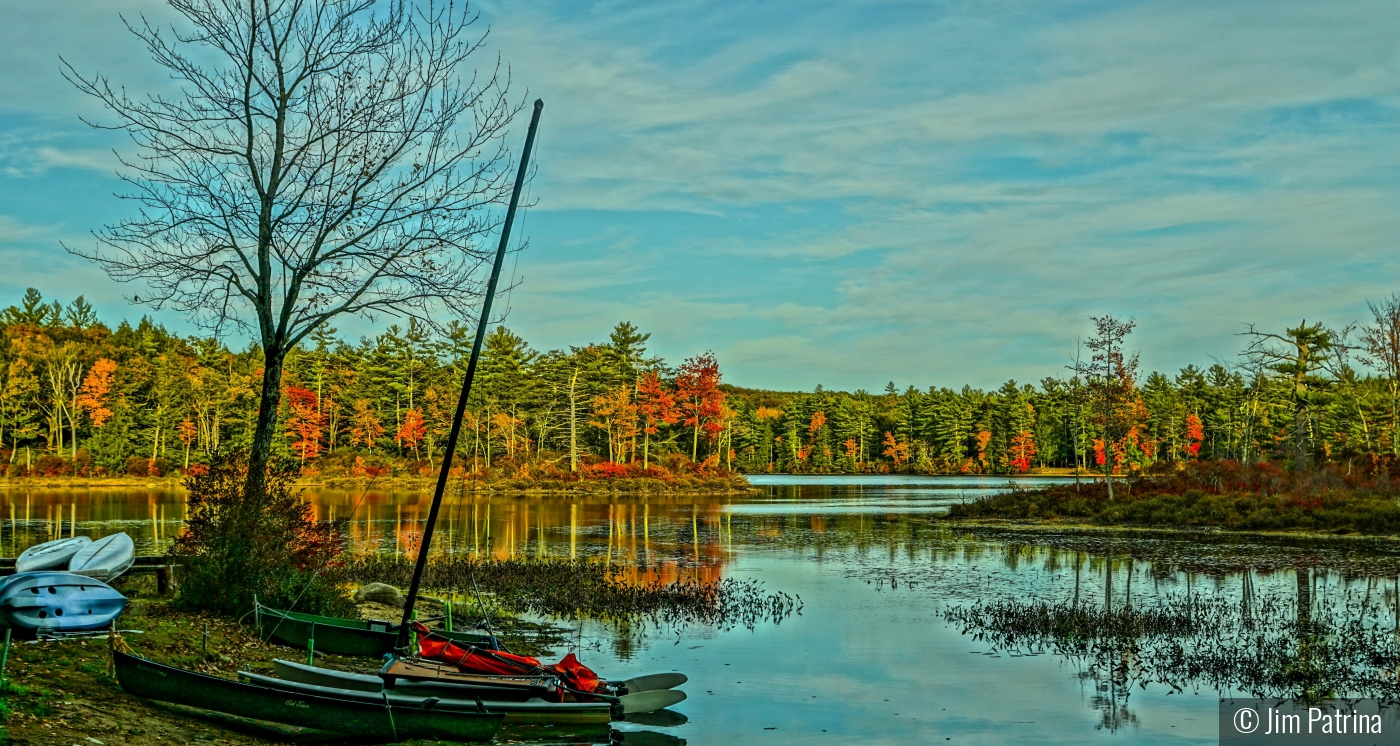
{"x":304,"y":422}
{"x":365,"y":427}
{"x":1195,"y":433}
{"x":321,"y":158}
{"x":615,"y":413}
{"x":1022,"y":450}
{"x":896,"y":450}
{"x":187,"y":432}
{"x":411,"y":431}
{"x":96,"y":391}
{"x":699,"y":397}
{"x":657,"y":407}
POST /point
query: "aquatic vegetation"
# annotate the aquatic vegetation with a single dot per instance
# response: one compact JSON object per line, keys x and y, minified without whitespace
{"x":1269,"y":646}
{"x":587,"y":590}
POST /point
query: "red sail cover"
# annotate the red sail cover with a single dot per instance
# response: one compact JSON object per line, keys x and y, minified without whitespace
{"x":471,"y":659}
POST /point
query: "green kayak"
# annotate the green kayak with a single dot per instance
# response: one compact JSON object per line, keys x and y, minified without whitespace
{"x":338,"y":636}
{"x":384,"y":721}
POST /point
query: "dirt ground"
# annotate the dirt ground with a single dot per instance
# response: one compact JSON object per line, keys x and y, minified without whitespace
{"x":61,"y":693}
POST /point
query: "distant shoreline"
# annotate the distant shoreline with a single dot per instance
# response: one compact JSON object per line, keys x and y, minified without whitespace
{"x":720,"y":485}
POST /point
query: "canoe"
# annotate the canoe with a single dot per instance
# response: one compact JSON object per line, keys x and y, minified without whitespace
{"x":362,"y":720}
{"x":339,"y":636}
{"x":626,"y":704}
{"x":495,"y":688}
{"x":51,"y":555}
{"x":104,"y":559}
{"x":49,"y":601}
{"x":528,"y":712}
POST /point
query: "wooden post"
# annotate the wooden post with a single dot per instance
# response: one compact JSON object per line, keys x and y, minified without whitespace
{"x":162,"y":579}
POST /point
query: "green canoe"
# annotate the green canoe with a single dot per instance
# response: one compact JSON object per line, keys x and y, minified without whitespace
{"x":388,"y":721}
{"x":338,"y":636}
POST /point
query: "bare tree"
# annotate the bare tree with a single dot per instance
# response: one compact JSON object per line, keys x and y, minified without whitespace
{"x":322,"y":157}
{"x":1109,"y":376}
{"x":1381,"y":341}
{"x":1311,"y":359}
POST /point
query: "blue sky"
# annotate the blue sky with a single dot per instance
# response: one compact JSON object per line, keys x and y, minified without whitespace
{"x":849,"y":193}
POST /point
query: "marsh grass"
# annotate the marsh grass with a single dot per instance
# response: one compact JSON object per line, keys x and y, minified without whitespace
{"x":1338,"y":646}
{"x":587,"y":590}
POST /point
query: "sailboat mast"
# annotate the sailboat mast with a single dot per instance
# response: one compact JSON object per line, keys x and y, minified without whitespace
{"x":482,"y":322}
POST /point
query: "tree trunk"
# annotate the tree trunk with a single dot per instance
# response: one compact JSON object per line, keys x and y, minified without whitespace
{"x":260,"y":453}
{"x":573,"y":422}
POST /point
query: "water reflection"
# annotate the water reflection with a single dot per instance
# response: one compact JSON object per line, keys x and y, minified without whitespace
{"x":877,"y":574}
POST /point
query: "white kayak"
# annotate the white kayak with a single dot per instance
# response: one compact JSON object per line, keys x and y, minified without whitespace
{"x":105,"y":558}
{"x":51,"y":555}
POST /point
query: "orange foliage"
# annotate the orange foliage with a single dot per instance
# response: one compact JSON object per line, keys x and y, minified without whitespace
{"x":97,"y":386}
{"x":818,"y":422}
{"x":304,"y":422}
{"x":412,"y":430}
{"x":365,"y":428}
{"x":896,"y":450}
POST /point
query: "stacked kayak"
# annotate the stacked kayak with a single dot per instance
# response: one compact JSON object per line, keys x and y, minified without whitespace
{"x":50,"y":602}
{"x":58,"y":585}
{"x":105,"y":559}
{"x":51,"y":555}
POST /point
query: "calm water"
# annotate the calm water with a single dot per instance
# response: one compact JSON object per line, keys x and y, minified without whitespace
{"x":870,"y":658}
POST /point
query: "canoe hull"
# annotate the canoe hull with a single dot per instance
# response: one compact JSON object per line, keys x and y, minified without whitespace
{"x":339,"y":636}
{"x":534,"y":712}
{"x":162,"y":683}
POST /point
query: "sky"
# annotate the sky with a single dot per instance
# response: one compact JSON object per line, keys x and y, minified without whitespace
{"x":852,"y":193}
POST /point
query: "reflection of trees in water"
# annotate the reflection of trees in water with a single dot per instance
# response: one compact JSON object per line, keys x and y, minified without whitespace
{"x":1301,"y":644}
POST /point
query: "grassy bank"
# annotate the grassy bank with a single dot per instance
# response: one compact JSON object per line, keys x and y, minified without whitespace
{"x":1223,"y":495}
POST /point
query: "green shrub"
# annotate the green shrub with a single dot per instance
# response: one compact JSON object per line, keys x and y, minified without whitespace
{"x":267,"y":546}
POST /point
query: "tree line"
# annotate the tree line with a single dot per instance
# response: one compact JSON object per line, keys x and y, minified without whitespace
{"x":79,"y":397}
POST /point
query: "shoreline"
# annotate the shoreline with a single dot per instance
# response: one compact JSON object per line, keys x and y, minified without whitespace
{"x":700,"y":486}
{"x":1030,"y":526}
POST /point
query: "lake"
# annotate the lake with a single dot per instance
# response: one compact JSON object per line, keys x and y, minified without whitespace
{"x":872,"y":656}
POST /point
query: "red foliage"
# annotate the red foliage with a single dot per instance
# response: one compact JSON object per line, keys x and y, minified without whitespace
{"x":698,"y":395}
{"x":1195,"y":433}
{"x":1022,"y":450}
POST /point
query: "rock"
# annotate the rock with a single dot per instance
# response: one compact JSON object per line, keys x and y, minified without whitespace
{"x":380,"y":593}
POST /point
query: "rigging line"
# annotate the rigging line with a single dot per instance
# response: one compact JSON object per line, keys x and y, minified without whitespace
{"x":521,"y":238}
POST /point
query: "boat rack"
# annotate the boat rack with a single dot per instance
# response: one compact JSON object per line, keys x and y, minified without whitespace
{"x":161,"y":567}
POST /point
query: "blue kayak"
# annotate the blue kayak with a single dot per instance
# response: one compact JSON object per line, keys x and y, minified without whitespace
{"x":48,"y":601}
